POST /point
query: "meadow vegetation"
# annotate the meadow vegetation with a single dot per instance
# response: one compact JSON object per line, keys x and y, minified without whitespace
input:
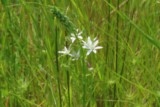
{"x":116,"y":55}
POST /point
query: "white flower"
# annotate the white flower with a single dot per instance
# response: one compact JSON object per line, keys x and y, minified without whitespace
{"x":65,"y":51}
{"x":73,"y":38}
{"x":91,"y":45}
{"x":78,"y":35}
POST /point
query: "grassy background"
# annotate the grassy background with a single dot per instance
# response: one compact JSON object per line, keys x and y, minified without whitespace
{"x":126,"y":70}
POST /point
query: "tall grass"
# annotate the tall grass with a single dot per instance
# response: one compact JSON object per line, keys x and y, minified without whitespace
{"x":125,"y":73}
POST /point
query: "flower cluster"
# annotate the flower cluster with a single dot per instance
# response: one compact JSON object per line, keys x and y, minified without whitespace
{"x":90,"y":45}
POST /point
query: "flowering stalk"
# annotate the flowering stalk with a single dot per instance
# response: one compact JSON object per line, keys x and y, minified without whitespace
{"x":90,"y":45}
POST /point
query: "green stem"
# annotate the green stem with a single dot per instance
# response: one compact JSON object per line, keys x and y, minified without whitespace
{"x":57,"y":67}
{"x":68,"y":81}
{"x":107,"y":50}
{"x":127,"y":41}
{"x":68,"y":86}
{"x":117,"y":50}
{"x":84,"y":80}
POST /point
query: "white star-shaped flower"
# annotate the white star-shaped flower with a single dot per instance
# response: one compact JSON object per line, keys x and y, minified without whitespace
{"x":78,"y":35}
{"x":73,"y":37}
{"x":91,"y":46}
{"x":65,"y":51}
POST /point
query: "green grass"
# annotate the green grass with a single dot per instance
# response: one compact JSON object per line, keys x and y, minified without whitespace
{"x":125,"y":72}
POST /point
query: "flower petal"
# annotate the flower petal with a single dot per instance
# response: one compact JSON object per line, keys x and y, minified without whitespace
{"x":94,"y":51}
{"x":88,"y":52}
{"x":98,"y":47}
{"x":73,"y":39}
{"x":80,"y":37}
{"x":95,"y":43}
